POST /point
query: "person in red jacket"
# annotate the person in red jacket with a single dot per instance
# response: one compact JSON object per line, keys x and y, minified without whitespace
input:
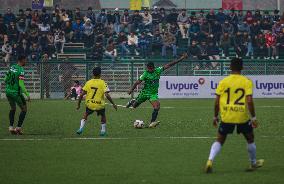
{"x":270,"y":41}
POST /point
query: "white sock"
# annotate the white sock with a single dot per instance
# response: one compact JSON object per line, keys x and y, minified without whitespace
{"x":103,"y":127}
{"x":215,"y":148}
{"x":252,"y":152}
{"x":83,"y":121}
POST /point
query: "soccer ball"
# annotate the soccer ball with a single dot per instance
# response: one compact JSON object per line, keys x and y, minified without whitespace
{"x":138,"y":124}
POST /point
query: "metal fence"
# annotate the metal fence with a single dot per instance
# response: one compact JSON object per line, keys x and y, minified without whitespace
{"x":53,"y":79}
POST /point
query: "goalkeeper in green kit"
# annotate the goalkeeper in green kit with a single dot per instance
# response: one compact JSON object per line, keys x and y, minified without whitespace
{"x":151,"y":78}
{"x":15,"y":89}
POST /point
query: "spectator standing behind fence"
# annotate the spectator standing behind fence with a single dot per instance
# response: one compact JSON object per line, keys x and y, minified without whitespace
{"x":183,"y":23}
{"x":7,"y":51}
{"x":46,"y":75}
{"x":169,"y":41}
{"x":67,"y":69}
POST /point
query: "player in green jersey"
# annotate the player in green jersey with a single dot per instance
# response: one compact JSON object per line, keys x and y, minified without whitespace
{"x":149,"y":92}
{"x":15,"y":89}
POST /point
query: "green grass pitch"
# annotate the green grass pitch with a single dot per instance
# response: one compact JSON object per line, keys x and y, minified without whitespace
{"x":173,"y":153}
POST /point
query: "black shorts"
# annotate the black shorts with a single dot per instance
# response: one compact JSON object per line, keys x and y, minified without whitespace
{"x":101,"y":112}
{"x":228,"y":128}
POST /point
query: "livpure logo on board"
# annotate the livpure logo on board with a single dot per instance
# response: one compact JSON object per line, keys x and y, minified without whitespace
{"x":269,"y":86}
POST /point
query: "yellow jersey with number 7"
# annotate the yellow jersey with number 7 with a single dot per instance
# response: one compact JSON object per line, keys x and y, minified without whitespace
{"x":95,"y":97}
{"x":233,"y":91}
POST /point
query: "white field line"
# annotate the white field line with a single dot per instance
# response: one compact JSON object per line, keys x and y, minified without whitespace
{"x":184,"y":107}
{"x":118,"y":138}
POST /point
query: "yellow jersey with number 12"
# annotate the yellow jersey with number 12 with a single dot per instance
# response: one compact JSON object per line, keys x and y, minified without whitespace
{"x":233,"y":91}
{"x":95,"y":98}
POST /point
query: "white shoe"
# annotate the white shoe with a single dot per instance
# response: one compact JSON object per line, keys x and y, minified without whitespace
{"x":154,"y":124}
{"x":277,"y":57}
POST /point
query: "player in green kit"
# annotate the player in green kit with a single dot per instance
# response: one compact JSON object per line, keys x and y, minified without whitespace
{"x":15,"y":89}
{"x":151,"y":79}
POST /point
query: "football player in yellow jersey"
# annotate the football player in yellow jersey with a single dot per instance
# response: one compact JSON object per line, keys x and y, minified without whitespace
{"x":95,"y":90}
{"x":235,"y":105}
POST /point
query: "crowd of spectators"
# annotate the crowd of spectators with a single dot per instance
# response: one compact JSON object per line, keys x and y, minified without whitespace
{"x":120,"y":33}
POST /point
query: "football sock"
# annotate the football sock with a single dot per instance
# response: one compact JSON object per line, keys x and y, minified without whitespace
{"x":12,"y":117}
{"x":252,"y":152}
{"x":215,"y":149}
{"x":83,"y":121}
{"x":103,"y":127}
{"x":21,"y":118}
{"x":154,"y":115}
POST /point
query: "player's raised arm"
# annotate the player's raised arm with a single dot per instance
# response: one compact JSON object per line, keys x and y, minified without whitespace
{"x":134,"y":86}
{"x":80,"y":99}
{"x":167,"y":66}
